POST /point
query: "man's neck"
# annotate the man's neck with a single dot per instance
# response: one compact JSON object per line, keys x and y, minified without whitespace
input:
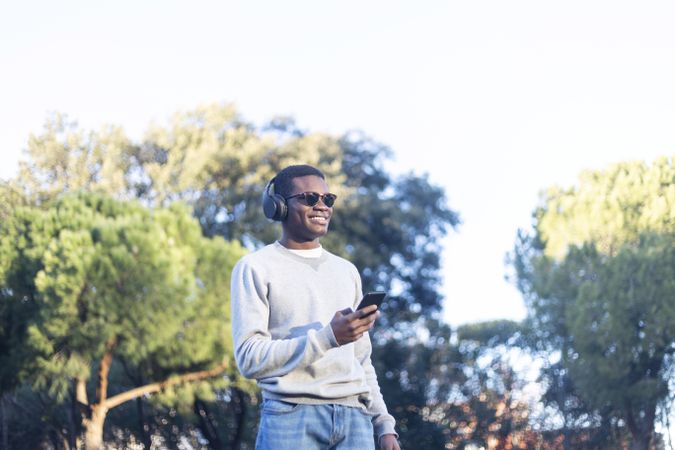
{"x":298,"y":245}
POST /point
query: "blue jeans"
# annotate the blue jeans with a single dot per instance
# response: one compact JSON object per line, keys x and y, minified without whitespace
{"x":290,"y":426}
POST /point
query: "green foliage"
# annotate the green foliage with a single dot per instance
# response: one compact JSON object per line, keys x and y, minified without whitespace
{"x":455,"y":390}
{"x":218,"y":164}
{"x":211,"y":159}
{"x":88,"y":273}
{"x":597,"y":274}
{"x":491,"y":333}
{"x":609,"y":208}
{"x":97,"y":271}
{"x":32,"y":421}
{"x":413,"y":375}
{"x":64,"y":158}
{"x":623,"y":322}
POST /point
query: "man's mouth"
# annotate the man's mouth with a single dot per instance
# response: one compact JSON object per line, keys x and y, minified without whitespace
{"x":318,"y":219}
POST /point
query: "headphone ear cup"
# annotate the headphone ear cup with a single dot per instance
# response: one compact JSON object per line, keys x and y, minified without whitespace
{"x":274,"y":205}
{"x":281,"y":208}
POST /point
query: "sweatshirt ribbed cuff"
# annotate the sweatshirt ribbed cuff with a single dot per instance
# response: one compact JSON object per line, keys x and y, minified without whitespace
{"x":379,"y":436}
{"x":383,"y":428}
{"x":326,"y":338}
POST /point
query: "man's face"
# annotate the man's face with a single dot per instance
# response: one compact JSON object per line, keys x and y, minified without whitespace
{"x":304,"y":223}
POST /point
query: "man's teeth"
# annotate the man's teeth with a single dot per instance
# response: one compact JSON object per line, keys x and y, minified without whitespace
{"x":318,"y":219}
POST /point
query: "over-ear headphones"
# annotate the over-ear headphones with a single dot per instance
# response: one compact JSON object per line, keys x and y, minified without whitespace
{"x":274,"y":205}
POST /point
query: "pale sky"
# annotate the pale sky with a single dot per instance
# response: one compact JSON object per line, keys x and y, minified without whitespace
{"x":494,"y":100}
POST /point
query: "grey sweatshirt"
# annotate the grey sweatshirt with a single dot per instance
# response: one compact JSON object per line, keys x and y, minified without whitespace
{"x":282,"y":305}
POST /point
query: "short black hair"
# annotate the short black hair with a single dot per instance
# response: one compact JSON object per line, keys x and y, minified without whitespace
{"x":283,"y":181}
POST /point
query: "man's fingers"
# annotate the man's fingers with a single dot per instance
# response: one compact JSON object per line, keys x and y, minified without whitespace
{"x":349,"y":326}
{"x":344,"y":313}
{"x":364,"y":312}
{"x":364,"y":326}
{"x":369,"y":320}
{"x":366,"y":323}
{"x":368,"y":309}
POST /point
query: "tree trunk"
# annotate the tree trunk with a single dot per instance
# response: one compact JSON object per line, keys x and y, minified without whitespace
{"x":53,"y":437}
{"x":240,"y":412}
{"x":93,"y":435}
{"x":75,"y":413}
{"x":640,"y":443}
{"x":143,"y":428}
{"x":641,"y":429}
{"x":5,"y":430}
{"x":93,"y":417}
{"x":207,"y":426}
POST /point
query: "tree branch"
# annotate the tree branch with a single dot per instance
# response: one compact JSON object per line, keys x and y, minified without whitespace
{"x":103,"y":371}
{"x":151,"y":388}
{"x":81,"y":392}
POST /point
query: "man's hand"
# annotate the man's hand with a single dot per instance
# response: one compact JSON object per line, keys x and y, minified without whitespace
{"x":349,"y":326}
{"x":389,"y":442}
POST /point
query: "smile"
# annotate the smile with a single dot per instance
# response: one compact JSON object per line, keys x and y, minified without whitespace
{"x":318,"y":219}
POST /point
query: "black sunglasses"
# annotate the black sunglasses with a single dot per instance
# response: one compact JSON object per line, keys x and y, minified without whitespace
{"x":312,"y":198}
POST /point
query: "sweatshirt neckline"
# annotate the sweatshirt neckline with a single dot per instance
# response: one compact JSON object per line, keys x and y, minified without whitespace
{"x":290,"y":254}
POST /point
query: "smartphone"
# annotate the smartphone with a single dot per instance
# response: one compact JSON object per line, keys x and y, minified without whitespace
{"x":372,"y":298}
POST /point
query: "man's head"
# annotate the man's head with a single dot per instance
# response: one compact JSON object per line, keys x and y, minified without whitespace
{"x":304,"y":204}
{"x":283,"y":182}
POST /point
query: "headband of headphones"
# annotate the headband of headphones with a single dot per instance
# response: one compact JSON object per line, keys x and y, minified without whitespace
{"x":274,"y":205}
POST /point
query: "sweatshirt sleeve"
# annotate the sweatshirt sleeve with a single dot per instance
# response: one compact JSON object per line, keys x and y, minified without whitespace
{"x":257,"y":354}
{"x":383,"y":422}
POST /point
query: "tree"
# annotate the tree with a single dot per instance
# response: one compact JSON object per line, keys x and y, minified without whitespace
{"x":491,"y":406}
{"x":598,"y":275}
{"x":623,"y":323}
{"x":416,"y":377}
{"x":210,"y":158}
{"x":89,"y":282}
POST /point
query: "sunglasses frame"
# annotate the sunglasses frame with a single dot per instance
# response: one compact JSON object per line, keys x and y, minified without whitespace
{"x":320,"y":197}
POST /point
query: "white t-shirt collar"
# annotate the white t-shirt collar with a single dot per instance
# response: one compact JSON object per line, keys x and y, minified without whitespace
{"x":309,"y":253}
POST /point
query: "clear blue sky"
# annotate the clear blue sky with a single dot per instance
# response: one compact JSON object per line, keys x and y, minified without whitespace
{"x":495,"y":100}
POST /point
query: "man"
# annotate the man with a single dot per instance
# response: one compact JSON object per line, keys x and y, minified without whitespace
{"x":296,"y":334}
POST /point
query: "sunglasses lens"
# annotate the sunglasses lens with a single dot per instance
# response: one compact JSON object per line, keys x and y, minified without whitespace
{"x":329,"y":199}
{"x":312,"y":198}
